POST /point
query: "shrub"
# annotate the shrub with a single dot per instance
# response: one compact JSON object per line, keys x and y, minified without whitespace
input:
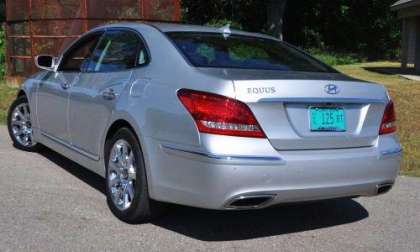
{"x":2,"y":53}
{"x":223,"y":22}
{"x":335,"y":59}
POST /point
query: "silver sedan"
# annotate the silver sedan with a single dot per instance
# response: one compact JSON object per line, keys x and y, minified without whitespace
{"x":207,"y":117}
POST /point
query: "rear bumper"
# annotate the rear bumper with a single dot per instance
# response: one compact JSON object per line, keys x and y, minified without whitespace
{"x":208,"y":179}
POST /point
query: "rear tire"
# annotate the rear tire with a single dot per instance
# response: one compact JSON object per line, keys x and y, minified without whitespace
{"x":19,"y":125}
{"x":126,"y":183}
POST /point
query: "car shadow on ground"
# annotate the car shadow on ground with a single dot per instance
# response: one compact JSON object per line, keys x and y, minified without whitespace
{"x":210,"y":225}
{"x":207,"y":225}
{"x":85,"y":175}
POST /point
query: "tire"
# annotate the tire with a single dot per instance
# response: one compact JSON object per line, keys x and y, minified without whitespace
{"x":20,"y":127}
{"x":139,"y":208}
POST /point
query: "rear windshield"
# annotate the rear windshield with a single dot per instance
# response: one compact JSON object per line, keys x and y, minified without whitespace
{"x":235,"y":51}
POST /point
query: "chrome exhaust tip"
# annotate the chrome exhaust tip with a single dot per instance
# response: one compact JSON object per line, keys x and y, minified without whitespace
{"x":249,"y":201}
{"x":384,"y":188}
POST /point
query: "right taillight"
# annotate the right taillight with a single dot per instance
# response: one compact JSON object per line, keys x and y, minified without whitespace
{"x":389,"y":120}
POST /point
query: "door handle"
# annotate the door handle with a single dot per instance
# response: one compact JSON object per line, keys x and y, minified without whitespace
{"x":109,"y":94}
{"x":65,"y":85}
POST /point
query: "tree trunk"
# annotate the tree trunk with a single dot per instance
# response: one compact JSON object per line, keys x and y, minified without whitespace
{"x":275,"y":12}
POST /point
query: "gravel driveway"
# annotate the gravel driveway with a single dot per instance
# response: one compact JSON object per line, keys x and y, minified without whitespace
{"x":48,"y":203}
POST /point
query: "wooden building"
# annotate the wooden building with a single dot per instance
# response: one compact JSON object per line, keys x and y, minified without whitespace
{"x":409,"y":12}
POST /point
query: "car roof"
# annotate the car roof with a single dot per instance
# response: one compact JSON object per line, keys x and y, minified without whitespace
{"x":176,"y":27}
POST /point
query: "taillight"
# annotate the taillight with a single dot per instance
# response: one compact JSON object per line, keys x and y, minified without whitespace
{"x":216,"y":114}
{"x":389,"y":120}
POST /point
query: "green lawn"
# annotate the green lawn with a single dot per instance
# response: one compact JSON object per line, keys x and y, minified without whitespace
{"x":406,"y":95}
{"x":7,"y":94}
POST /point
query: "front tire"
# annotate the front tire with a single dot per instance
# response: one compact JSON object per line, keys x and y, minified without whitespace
{"x":126,"y":184}
{"x":19,"y":125}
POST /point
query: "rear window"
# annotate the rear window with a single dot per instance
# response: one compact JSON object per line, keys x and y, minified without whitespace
{"x":235,"y":51}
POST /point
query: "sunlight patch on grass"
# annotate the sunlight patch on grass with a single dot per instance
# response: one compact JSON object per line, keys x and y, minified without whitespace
{"x":406,"y":96}
{"x":7,"y":95}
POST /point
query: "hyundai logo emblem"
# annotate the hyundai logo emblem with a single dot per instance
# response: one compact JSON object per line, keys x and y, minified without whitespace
{"x":332,"y":89}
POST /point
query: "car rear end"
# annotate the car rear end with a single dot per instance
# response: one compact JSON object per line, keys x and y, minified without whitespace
{"x":294,"y":131}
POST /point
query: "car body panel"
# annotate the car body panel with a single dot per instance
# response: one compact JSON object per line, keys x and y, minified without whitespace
{"x":304,"y":175}
{"x":187,"y":167}
{"x":52,"y":102}
{"x":281,"y":108}
{"x":89,"y":111}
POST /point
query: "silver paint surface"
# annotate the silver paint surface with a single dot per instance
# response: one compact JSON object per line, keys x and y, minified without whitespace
{"x":73,"y":112}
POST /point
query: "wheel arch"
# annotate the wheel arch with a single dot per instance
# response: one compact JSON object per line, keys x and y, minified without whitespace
{"x":116,"y":125}
{"x":113,"y":128}
{"x":21,"y":93}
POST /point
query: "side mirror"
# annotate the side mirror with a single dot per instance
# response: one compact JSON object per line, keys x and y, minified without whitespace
{"x":45,"y":62}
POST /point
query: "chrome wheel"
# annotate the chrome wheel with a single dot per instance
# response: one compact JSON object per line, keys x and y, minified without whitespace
{"x":122,"y":174}
{"x":21,"y":125}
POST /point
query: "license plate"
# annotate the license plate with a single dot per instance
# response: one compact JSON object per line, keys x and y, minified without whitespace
{"x":327,"y":119}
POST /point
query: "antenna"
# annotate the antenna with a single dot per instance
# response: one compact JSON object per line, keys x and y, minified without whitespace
{"x":226,"y":30}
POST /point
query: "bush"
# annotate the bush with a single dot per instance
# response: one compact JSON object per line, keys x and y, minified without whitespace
{"x":335,"y":59}
{"x":223,"y":22}
{"x":2,"y":53}
{"x":365,"y":27}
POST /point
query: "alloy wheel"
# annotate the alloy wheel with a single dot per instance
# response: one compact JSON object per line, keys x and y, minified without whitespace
{"x":122,"y":174}
{"x":21,"y":125}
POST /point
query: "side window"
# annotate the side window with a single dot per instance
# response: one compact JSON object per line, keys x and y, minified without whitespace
{"x":117,"y":51}
{"x":77,"y":57}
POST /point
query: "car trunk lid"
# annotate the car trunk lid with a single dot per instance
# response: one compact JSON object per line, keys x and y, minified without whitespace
{"x":282,"y":107}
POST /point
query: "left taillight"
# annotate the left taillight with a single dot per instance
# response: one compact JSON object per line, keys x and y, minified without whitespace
{"x":389,"y":120}
{"x":217,"y":114}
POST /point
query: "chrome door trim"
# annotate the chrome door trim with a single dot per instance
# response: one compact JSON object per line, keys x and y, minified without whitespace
{"x":80,"y":151}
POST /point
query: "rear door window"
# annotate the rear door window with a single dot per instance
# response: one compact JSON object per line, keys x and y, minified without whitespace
{"x":118,"y":50}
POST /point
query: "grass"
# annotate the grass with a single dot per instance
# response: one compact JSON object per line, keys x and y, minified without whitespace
{"x":334,"y":58}
{"x":405,"y":93}
{"x":406,"y":96}
{"x":7,"y":95}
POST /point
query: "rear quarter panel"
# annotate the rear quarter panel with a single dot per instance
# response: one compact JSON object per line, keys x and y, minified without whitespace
{"x":153,"y":100}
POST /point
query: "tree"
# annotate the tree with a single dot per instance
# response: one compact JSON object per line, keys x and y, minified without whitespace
{"x":249,"y":14}
{"x":364,"y":27}
{"x":275,"y":13}
{"x":367,"y":28}
{"x":2,"y":10}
